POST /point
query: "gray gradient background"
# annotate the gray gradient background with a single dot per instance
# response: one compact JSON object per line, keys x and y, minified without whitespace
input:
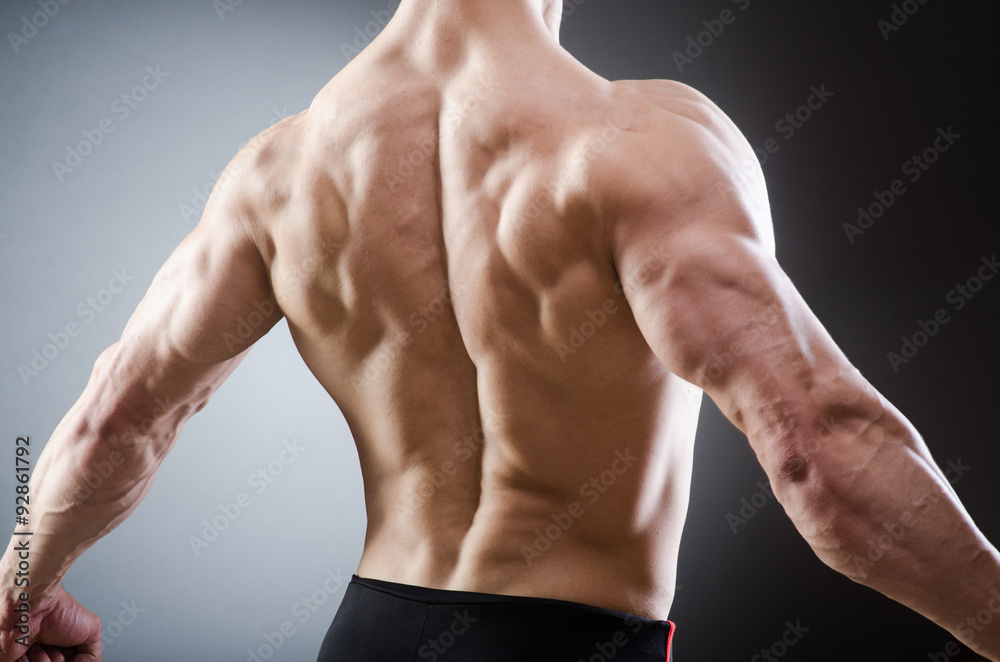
{"x":230,"y":78}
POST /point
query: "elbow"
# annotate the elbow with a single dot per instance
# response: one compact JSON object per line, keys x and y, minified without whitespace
{"x":823,"y":459}
{"x":114,"y":440}
{"x":821,"y":444}
{"x":830,"y":476}
{"x":817,"y":497}
{"x":805,"y":485}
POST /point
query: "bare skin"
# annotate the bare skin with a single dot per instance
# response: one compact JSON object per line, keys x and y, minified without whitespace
{"x":508,"y":273}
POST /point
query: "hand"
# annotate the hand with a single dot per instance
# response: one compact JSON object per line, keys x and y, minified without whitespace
{"x":61,"y":630}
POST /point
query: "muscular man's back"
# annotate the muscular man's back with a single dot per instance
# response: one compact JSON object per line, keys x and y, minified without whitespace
{"x":504,"y":270}
{"x":437,"y":242}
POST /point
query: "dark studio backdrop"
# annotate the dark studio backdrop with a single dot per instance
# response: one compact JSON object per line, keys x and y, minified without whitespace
{"x":114,"y":116}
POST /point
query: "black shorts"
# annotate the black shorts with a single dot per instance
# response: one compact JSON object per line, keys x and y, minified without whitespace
{"x":385,"y":622}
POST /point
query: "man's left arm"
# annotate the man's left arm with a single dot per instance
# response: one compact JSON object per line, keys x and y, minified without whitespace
{"x":208,"y":304}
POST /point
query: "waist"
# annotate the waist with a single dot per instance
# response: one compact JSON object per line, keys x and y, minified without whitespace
{"x":530,"y":547}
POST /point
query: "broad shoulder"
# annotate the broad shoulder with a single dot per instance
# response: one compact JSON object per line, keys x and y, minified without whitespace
{"x":259,"y":181}
{"x":683,"y":163}
{"x":265,"y":159}
{"x":678,"y":125}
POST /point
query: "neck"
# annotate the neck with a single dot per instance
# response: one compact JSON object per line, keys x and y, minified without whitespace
{"x":463,"y":24}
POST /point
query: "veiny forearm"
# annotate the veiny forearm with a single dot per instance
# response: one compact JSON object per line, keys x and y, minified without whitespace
{"x":102,"y":458}
{"x":874,"y":506}
{"x":87,"y":481}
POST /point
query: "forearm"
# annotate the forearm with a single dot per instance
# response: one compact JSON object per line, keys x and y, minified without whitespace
{"x":102,"y":458}
{"x":88,"y":479}
{"x":876,"y":508}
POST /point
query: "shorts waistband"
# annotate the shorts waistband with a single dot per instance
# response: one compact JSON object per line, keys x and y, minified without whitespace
{"x":437,"y":596}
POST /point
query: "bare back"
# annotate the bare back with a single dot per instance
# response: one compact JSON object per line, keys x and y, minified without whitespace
{"x":500,"y":266}
{"x":507,"y":272}
{"x":440,"y":248}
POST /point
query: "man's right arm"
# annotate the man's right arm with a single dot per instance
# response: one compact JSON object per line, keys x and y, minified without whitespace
{"x":846,"y":466}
